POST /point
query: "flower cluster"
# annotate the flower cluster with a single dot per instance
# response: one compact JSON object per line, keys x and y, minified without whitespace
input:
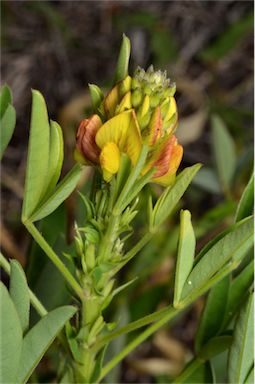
{"x":139,"y":110}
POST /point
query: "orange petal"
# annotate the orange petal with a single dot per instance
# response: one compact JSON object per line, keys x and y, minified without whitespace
{"x":154,"y":130}
{"x":85,"y":138}
{"x":162,"y":162}
{"x":176,"y":157}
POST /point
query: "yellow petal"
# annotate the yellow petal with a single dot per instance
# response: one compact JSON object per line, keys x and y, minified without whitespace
{"x":144,"y":109}
{"x":110,"y":160}
{"x":125,"y":104}
{"x":123,"y":130}
{"x":172,"y":109}
{"x":111,"y":101}
{"x":125,"y":86}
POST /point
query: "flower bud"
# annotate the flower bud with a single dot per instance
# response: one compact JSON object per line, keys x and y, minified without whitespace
{"x":137,"y":110}
{"x":85,"y":139}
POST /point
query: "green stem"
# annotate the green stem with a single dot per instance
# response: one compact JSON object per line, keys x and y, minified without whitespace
{"x":106,"y":244}
{"x":131,"y":179}
{"x":40,"y":309}
{"x":54,"y":258}
{"x":172,"y":312}
{"x":130,"y":327}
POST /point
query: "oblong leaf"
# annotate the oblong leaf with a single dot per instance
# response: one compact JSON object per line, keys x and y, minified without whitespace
{"x":237,"y":291}
{"x":96,"y":96}
{"x":241,"y":352}
{"x":123,"y":60}
{"x":215,"y":346}
{"x":8,"y":122}
{"x":246,"y":203}
{"x":232,"y":246}
{"x":185,"y":255}
{"x":19,"y":293}
{"x":55,"y":157}
{"x":62,"y":191}
{"x":213,"y":313}
{"x":224,"y":151}
{"x":250,"y":377}
{"x":11,"y":338}
{"x":38,"y":155}
{"x":171,"y":196}
{"x":39,"y":338}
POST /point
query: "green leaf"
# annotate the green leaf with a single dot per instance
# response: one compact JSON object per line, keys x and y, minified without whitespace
{"x":197,"y":372}
{"x":215,"y":346}
{"x":5,"y":99}
{"x":237,"y":291}
{"x":98,"y":365}
{"x":8,"y":122}
{"x":39,"y":338}
{"x":123,"y":60}
{"x":55,"y":157}
{"x":224,"y":152}
{"x":62,"y":191}
{"x":185,"y":256}
{"x":232,"y":246}
{"x":240,"y":359}
{"x":213,"y":313}
{"x":38,"y":155}
{"x":246,"y":203}
{"x":96,"y":95}
{"x":215,"y":240}
{"x":11,"y":338}
{"x":250,"y":377}
{"x":171,"y":196}
{"x":19,"y":293}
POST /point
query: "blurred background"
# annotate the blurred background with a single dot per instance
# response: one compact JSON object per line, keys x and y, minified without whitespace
{"x":58,"y":47}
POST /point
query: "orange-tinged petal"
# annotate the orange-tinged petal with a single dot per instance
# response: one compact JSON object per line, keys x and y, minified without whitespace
{"x":176,"y":157}
{"x":85,"y":138}
{"x":153,"y":132}
{"x":163,"y":160}
{"x":123,"y":130}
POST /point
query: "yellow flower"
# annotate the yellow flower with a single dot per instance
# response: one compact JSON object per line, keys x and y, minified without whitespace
{"x":139,"y":110}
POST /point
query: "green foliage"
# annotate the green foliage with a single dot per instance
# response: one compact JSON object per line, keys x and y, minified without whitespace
{"x":171,"y":196}
{"x":22,"y":350}
{"x":241,"y":351}
{"x":123,"y":60}
{"x":246,"y":203}
{"x":7,"y":117}
{"x":19,"y":293}
{"x":39,"y":338}
{"x":224,"y":152}
{"x":11,"y":338}
{"x":229,"y":249}
{"x":213,"y":313}
{"x":60,"y":194}
{"x":41,"y":195}
{"x":185,"y":256}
